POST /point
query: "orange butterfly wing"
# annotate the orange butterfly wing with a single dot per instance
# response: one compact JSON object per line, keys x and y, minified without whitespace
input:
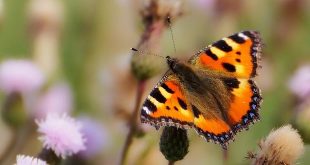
{"x":236,"y":55}
{"x":211,"y":127}
{"x":167,"y":106}
{"x":237,"y":58}
{"x":245,"y":103}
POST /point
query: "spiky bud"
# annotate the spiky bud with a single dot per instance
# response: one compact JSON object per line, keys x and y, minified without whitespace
{"x":154,"y":14}
{"x":155,"y":10}
{"x":145,"y":67}
{"x":174,"y":143}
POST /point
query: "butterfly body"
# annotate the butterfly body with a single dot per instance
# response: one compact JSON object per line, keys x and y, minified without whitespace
{"x":212,"y":92}
{"x":205,"y":90}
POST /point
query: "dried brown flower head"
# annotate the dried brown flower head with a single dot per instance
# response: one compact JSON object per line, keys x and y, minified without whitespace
{"x":282,"y":146}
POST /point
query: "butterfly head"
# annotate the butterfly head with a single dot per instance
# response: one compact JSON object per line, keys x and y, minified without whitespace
{"x":178,"y":67}
{"x":172,"y":62}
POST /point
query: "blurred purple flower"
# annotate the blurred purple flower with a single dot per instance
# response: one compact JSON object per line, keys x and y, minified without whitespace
{"x":28,"y":160}
{"x":57,"y":99}
{"x":299,"y":84}
{"x":96,"y":137}
{"x":62,"y":134}
{"x":204,"y":3}
{"x":20,"y":76}
{"x":207,"y":5}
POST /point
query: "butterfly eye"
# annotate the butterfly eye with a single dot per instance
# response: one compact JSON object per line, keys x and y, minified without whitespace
{"x":171,"y":62}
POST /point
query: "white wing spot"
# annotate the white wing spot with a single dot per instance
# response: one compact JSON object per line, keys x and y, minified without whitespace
{"x":243,"y":36}
{"x":146,"y":110}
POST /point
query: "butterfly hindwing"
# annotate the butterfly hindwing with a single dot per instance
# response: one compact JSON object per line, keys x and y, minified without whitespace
{"x":236,"y":55}
{"x":245,"y":102}
{"x":211,"y":127}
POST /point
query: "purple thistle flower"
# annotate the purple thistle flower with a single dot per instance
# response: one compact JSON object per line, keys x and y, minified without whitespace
{"x":21,"y":76}
{"x":57,"y":99}
{"x":28,"y":160}
{"x":204,"y":3}
{"x":95,"y":135}
{"x":62,"y":134}
{"x":207,"y":6}
{"x":300,"y":82}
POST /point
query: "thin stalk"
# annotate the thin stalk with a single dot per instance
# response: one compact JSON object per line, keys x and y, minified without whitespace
{"x":225,"y":157}
{"x":9,"y":147}
{"x":18,"y":141}
{"x":133,"y":122}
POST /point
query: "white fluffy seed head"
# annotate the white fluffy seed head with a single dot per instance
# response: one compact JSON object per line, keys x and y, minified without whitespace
{"x":281,"y":146}
{"x":28,"y":160}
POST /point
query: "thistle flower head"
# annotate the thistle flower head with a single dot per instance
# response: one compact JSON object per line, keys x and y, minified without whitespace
{"x":299,"y":83}
{"x":174,"y":143}
{"x":48,"y":13}
{"x":282,"y":146}
{"x":95,"y":135}
{"x":204,"y":3}
{"x":20,"y":76}
{"x":160,"y":9}
{"x":62,"y":134}
{"x":28,"y":160}
{"x":57,"y":99}
{"x":145,"y":67}
{"x":154,"y":14}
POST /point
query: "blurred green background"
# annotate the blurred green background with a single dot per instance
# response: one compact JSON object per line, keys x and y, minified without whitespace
{"x":93,"y":55}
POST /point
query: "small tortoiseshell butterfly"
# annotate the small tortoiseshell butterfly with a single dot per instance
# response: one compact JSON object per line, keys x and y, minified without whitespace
{"x":213,"y":91}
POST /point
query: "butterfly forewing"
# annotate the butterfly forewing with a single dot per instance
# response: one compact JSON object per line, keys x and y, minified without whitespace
{"x":166,"y":105}
{"x":236,"y":55}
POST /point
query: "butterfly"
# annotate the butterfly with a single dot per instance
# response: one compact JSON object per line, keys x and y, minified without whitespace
{"x":213,"y":92}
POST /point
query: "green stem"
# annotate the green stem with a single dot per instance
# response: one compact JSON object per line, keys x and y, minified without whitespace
{"x":9,"y":147}
{"x":133,"y":122}
{"x":225,"y":156}
{"x":17,"y":143}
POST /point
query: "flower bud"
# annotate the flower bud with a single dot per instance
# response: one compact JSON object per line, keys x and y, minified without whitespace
{"x":174,"y":143}
{"x":144,"y":66}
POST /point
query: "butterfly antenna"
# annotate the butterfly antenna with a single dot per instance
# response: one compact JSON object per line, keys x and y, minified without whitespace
{"x":143,"y":52}
{"x":172,"y":37}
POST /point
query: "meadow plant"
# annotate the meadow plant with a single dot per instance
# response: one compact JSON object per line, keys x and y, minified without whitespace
{"x":282,"y":146}
{"x":154,"y":15}
{"x":62,"y":134}
{"x":28,"y":160}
